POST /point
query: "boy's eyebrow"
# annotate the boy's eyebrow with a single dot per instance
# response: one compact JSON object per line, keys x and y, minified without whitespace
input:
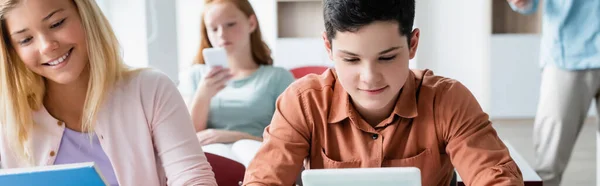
{"x":382,"y":52}
{"x":390,"y":49}
{"x":349,"y":53}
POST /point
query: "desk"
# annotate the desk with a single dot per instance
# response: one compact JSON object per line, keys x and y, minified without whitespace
{"x":529,"y":176}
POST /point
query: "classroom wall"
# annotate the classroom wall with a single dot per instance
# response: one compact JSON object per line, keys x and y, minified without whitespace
{"x":457,"y":44}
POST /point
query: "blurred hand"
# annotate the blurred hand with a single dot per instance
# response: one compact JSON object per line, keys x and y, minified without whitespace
{"x":211,"y":136}
{"x":521,"y":4}
{"x":213,"y":82}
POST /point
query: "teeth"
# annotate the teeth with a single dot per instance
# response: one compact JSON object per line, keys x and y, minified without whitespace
{"x":59,"y":60}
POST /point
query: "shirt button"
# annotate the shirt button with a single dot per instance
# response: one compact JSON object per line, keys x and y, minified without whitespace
{"x":375,"y":136}
{"x":52,"y":153}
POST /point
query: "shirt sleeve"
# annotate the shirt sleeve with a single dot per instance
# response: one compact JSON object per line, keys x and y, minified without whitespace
{"x":475,"y":149}
{"x":173,"y":134}
{"x":285,"y":146}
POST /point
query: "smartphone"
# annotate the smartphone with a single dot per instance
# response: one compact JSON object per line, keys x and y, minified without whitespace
{"x":215,"y":57}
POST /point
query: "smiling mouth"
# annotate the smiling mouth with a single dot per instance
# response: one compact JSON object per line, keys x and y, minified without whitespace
{"x":60,"y":60}
{"x":375,"y":90}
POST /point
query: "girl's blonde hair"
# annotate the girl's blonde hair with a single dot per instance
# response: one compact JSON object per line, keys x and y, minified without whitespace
{"x":22,"y":91}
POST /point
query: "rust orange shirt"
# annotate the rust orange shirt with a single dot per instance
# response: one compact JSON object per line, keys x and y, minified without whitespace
{"x":316,"y":125}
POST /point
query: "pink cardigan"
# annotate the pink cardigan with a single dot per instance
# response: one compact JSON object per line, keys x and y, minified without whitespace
{"x":144,"y":129}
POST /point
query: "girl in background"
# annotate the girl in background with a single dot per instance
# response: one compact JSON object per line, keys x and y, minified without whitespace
{"x":238,"y":102}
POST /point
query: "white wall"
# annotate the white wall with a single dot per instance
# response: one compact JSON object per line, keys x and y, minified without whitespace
{"x":297,"y":52}
{"x":128,"y":19}
{"x":146,"y":31}
{"x":162,"y":37}
{"x":500,"y":70}
{"x":103,"y":5}
{"x":188,"y":30}
{"x":266,"y":11}
{"x":516,"y":76}
{"x":455,"y":40}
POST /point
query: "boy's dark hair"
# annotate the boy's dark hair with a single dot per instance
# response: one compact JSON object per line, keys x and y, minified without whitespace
{"x":351,"y":15}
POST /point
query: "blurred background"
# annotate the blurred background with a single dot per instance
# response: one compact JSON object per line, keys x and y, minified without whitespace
{"x":484,"y":44}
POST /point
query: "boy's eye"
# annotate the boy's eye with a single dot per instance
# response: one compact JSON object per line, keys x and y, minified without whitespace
{"x":351,"y":59}
{"x":387,"y":58}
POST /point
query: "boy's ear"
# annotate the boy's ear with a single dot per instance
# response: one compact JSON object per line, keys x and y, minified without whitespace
{"x":414,"y":42}
{"x":327,"y":45}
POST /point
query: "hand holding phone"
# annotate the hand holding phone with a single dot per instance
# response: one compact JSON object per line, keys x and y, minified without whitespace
{"x":213,"y":82}
{"x":214,"y":57}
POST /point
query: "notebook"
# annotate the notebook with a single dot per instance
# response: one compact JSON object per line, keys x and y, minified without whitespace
{"x":242,"y":151}
{"x":69,"y":174}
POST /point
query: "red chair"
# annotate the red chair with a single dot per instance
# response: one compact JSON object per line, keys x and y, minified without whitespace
{"x":227,"y":172}
{"x":303,"y":71}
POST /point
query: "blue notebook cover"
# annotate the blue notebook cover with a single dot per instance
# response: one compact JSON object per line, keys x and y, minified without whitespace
{"x":69,"y":174}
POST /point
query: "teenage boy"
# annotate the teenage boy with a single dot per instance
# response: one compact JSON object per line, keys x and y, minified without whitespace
{"x":373,"y":111}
